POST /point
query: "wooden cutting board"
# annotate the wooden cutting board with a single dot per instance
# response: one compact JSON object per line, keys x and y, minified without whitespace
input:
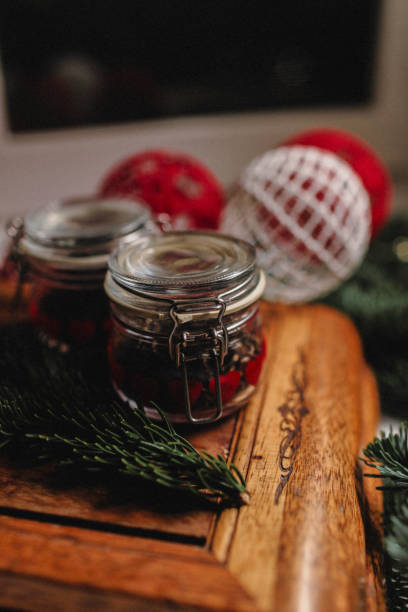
{"x":306,"y":543}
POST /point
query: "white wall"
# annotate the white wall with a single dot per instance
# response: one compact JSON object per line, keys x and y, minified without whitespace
{"x":37,"y":168}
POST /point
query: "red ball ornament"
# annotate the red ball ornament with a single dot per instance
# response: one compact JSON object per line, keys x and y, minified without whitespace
{"x":364,"y":161}
{"x":170,"y":183}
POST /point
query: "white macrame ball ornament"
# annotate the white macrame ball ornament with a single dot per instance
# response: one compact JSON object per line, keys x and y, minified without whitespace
{"x":308,"y":215}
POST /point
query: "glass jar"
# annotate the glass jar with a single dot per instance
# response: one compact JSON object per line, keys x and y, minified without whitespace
{"x":186,"y":329}
{"x":63,"y":250}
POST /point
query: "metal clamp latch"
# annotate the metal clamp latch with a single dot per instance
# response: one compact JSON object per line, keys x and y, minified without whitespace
{"x":185,"y":345}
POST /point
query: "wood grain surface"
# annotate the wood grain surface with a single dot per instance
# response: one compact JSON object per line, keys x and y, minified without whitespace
{"x":305,"y":542}
{"x":36,"y":491}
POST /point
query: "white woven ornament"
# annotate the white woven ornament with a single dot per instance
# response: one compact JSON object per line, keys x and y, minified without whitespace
{"x":308,"y":215}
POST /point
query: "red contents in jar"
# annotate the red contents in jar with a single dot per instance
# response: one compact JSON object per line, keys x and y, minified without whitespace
{"x":229,"y":384}
{"x":176,"y":392}
{"x":254,"y":367}
{"x":118,"y":372}
{"x":82,"y":331}
{"x":147,"y":388}
{"x":133,"y":359}
{"x":50,"y":325}
{"x":70,"y":316}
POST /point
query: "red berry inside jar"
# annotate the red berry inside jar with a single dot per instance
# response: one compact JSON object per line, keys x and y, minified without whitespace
{"x":68,"y":316}
{"x":143,"y":371}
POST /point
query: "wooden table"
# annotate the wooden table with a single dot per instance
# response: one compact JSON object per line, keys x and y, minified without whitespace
{"x":307,"y":541}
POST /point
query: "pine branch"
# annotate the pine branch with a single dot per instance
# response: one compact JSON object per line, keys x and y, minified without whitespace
{"x":389,"y":455}
{"x":396,"y":541}
{"x":63,"y":408}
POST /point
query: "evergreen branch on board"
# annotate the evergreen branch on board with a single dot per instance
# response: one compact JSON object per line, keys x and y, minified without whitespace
{"x":396,"y":541}
{"x":389,"y":455}
{"x":63,"y":409}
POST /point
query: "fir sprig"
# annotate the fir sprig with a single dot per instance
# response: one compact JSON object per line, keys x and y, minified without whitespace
{"x":389,"y":455}
{"x":396,"y":541}
{"x":63,"y":408}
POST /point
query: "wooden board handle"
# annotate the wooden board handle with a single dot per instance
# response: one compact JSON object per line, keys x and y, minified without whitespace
{"x":300,"y":545}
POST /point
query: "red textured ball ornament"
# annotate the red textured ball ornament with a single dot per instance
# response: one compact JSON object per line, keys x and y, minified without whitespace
{"x":364,"y":161}
{"x":170,"y":183}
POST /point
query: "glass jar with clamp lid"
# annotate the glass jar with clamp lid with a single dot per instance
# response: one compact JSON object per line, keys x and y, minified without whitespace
{"x":186,"y":329}
{"x":62,"y":250}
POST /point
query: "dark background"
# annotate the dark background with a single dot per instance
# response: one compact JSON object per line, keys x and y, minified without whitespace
{"x":85,"y":62}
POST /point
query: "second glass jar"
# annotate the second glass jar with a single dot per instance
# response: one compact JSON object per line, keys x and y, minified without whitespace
{"x":63,"y":249}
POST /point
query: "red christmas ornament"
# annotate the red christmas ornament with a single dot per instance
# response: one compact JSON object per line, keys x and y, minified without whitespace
{"x":170,"y":183}
{"x":364,"y":161}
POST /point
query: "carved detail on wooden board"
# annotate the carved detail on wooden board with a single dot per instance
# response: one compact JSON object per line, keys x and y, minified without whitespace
{"x":293,"y":410}
{"x":300,"y":437}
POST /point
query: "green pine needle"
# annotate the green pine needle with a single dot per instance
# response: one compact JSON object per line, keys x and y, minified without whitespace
{"x":64,"y":410}
{"x":397,"y":540}
{"x":389,"y":455}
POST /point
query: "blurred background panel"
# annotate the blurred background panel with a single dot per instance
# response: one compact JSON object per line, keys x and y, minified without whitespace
{"x":81,"y":63}
{"x":84,"y":84}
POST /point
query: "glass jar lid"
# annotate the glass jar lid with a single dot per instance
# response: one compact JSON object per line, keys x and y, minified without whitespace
{"x":184,"y":267}
{"x":82,"y":232}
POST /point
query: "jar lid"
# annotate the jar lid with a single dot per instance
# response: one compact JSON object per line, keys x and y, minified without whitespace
{"x":81,"y":233}
{"x":183,"y":266}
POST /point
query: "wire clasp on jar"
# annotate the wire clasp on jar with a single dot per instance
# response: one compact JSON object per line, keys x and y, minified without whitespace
{"x":187,"y":344}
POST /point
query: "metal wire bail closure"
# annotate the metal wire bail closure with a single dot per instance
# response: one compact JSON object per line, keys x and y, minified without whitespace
{"x":214,"y":340}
